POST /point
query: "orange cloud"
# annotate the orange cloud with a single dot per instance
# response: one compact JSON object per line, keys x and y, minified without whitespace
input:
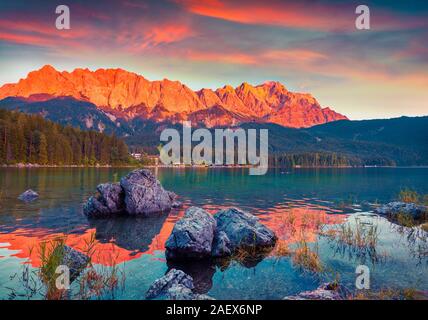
{"x":165,"y":34}
{"x":276,"y":13}
{"x":295,"y":14}
{"x":234,"y":58}
{"x":289,"y":56}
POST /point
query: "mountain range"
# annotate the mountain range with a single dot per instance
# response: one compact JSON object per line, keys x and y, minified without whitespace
{"x":125,"y":95}
{"x":128,"y":105}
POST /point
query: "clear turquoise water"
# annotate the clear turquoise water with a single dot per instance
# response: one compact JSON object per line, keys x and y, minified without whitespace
{"x":336,"y":195}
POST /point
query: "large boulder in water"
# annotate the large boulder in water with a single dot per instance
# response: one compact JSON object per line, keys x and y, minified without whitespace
{"x":138,"y":193}
{"x":243,"y":230}
{"x":110,"y":200}
{"x":28,"y":196}
{"x":192,"y":236}
{"x":144,"y":194}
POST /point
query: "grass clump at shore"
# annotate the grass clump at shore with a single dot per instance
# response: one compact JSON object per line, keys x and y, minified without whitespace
{"x":409,"y":196}
{"x":389,"y":294}
{"x":282,"y":249}
{"x":51,"y":255}
{"x":358,"y":235}
{"x":90,"y":281}
{"x":307,"y":259}
{"x":412,"y":196}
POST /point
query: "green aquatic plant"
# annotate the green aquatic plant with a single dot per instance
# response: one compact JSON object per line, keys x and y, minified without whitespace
{"x":51,"y":255}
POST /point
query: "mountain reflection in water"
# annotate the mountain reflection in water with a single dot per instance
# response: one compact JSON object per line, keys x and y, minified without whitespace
{"x":295,"y":206}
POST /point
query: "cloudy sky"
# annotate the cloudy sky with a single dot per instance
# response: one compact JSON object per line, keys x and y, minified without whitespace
{"x":310,"y":46}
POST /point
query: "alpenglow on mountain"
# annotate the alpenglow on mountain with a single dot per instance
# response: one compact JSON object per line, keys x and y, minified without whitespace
{"x":126,"y":95}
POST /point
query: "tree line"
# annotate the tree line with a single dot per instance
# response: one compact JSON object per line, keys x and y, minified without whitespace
{"x":28,"y":138}
{"x":324,"y":159}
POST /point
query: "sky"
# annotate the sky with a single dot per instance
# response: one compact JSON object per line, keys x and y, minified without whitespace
{"x":309,"y":46}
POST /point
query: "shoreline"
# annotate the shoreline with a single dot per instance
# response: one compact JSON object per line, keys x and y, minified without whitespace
{"x":23,"y":166}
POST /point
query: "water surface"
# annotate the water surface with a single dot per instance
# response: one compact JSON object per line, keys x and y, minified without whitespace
{"x":310,"y":196}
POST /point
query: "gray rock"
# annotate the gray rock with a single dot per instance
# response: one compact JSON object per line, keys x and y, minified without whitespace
{"x":138,"y":193}
{"x":180,"y":292}
{"x":173,"y":278}
{"x":326,"y":291}
{"x":28,"y":196}
{"x":74,"y":260}
{"x":243,"y":230}
{"x":221,"y":245}
{"x":144,"y":193}
{"x":192,"y":236}
{"x":112,"y":196}
{"x":109,"y":201}
{"x":396,"y":207}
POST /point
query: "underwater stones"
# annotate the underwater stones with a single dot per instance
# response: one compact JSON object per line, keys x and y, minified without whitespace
{"x":138,"y":193}
{"x":192,"y":235}
{"x":173,"y":278}
{"x":243,"y":230}
{"x":396,"y":207}
{"x":28,"y":196}
{"x":175,"y":285}
{"x":326,"y":291}
{"x":201,"y":235}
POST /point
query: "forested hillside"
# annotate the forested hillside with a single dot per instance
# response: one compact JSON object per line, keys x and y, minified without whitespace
{"x":31,"y":139}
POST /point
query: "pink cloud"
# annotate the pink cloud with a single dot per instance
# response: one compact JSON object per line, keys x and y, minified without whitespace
{"x":296,"y":14}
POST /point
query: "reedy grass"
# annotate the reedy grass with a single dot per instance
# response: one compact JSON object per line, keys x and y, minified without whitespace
{"x":388,"y":294}
{"x":92,"y":282}
{"x":359,"y":235}
{"x":307,"y":259}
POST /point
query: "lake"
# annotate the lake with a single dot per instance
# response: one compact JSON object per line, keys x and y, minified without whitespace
{"x":293,"y":203}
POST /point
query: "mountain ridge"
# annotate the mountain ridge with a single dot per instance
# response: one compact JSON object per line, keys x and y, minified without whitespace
{"x":129,"y":95}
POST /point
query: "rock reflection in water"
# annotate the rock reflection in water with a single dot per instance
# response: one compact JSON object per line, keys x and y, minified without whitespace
{"x":202,"y":271}
{"x":130,"y":233}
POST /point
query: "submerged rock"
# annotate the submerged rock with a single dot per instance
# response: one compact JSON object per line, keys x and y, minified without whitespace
{"x":144,"y":193}
{"x":243,"y":230}
{"x":175,"y":285}
{"x":138,"y":193}
{"x":74,"y":260}
{"x":28,"y":196}
{"x":192,"y":236}
{"x":180,"y":292}
{"x":326,"y":291}
{"x":396,"y":207}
